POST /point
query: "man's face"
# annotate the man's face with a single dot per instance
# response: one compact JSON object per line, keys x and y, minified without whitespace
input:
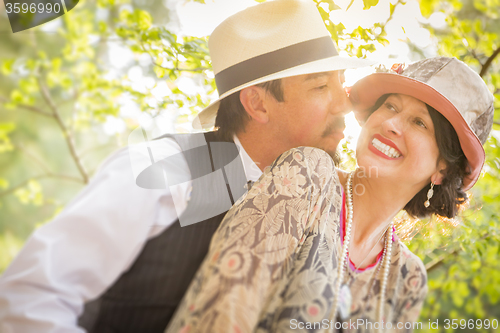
{"x":312,"y":113}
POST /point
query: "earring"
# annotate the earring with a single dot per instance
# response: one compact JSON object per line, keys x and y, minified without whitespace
{"x":430,"y":193}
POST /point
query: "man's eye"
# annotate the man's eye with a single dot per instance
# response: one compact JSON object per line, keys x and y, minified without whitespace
{"x":322,"y":87}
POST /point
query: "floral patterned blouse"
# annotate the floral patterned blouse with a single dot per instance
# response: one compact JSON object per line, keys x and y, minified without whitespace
{"x":272,"y":264}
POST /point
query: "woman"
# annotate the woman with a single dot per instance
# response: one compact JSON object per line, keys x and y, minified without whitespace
{"x":296,"y":254}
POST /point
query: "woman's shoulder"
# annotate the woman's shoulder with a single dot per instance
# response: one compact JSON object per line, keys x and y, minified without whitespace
{"x":311,"y":157}
{"x":313,"y":163}
{"x":316,"y":156}
{"x":411,"y":264}
{"x":411,"y":283}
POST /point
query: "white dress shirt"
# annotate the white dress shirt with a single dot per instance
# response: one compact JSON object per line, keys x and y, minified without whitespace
{"x":97,"y":237}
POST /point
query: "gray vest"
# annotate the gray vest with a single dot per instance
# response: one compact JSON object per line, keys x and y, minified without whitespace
{"x":145,"y":297}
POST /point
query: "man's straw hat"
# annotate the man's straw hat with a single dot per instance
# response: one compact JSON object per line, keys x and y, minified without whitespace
{"x":269,"y":41}
{"x":450,"y":87}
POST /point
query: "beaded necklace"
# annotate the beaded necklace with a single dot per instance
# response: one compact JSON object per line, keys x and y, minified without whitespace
{"x":342,"y":299}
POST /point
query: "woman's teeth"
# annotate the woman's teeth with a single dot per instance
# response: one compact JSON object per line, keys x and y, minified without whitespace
{"x":387,"y":150}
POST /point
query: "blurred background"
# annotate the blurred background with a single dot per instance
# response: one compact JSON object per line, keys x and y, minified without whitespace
{"x":74,"y":89}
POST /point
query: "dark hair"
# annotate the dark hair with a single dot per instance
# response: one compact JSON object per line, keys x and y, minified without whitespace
{"x":449,"y":195}
{"x":232,"y":117}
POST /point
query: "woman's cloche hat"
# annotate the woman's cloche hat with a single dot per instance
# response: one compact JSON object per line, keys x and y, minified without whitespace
{"x":450,"y":87}
{"x":269,"y":41}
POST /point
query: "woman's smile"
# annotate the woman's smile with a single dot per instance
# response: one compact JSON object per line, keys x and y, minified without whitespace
{"x":394,"y":140}
{"x":384,"y":147}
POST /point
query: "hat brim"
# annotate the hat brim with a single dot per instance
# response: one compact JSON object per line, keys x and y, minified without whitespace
{"x":206,"y":118}
{"x":368,"y":90}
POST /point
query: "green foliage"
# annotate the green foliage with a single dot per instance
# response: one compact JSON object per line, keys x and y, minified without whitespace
{"x":462,"y":260}
{"x":331,"y":5}
{"x":30,"y":194}
{"x":6,"y":67}
{"x":427,"y":7}
{"x":55,"y":100}
{"x":360,"y":41}
{"x":5,"y":129}
{"x":172,"y":56}
{"x":369,"y":3}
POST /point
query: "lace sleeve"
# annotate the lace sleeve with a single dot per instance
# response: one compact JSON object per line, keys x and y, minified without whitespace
{"x":256,"y":244}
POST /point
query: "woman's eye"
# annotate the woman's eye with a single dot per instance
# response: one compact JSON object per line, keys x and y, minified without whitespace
{"x":390,"y":106}
{"x":419,"y":122}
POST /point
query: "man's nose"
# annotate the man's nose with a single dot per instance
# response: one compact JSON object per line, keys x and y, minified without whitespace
{"x":341,"y":105}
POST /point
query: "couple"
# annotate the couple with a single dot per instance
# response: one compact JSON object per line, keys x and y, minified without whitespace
{"x":308,"y":243}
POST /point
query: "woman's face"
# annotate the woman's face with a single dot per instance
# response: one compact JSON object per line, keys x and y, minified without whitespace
{"x":398,"y":142}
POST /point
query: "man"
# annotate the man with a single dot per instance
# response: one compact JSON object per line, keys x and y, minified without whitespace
{"x":116,"y":259}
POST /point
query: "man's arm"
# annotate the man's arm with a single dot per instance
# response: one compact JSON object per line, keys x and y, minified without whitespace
{"x":78,"y":255}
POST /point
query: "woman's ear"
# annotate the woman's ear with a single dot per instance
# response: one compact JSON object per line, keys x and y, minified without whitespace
{"x":252,"y":99}
{"x":438,"y":176}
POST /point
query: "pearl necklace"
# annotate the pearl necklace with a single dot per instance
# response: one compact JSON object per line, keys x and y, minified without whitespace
{"x":344,"y":262}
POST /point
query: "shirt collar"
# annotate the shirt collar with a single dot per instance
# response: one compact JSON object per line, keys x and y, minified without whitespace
{"x":252,"y":171}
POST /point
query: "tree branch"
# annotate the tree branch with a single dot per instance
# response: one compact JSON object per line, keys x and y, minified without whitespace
{"x":73,"y":113}
{"x":42,"y":165}
{"x":65,"y":177}
{"x":12,"y":189}
{"x":198,"y":69}
{"x":496,"y":122}
{"x":176,"y":68}
{"x":439,"y":260}
{"x":67,"y":135}
{"x":48,"y":175}
{"x":473,"y":52}
{"x":29,"y":108}
{"x":488,"y":62}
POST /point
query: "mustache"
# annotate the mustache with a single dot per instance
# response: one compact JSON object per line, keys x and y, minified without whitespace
{"x":337,"y":125}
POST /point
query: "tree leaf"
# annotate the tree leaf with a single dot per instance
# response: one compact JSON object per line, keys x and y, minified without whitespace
{"x":369,"y":3}
{"x":7,"y":66}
